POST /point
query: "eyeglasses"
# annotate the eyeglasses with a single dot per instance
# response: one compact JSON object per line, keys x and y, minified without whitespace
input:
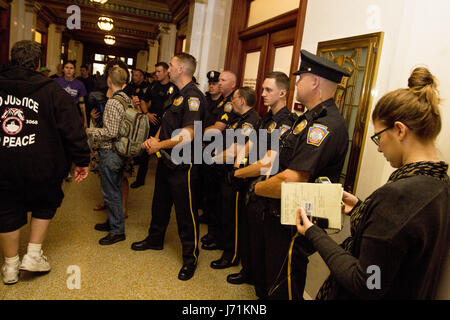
{"x":376,"y":137}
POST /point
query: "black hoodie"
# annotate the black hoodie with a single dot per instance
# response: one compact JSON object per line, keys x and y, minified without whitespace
{"x":41,"y":132}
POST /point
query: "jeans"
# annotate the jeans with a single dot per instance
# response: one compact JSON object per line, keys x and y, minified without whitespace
{"x":111,"y":167}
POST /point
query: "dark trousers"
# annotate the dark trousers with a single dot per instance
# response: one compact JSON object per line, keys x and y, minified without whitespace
{"x":213,"y":201}
{"x":277,"y":262}
{"x":143,"y":167}
{"x":233,"y":203}
{"x":176,"y":187}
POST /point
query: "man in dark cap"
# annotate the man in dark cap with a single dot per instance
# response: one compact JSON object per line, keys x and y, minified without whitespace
{"x":214,"y":97}
{"x":315,"y":146}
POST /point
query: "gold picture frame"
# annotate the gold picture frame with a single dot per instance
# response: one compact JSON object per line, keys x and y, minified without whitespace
{"x":360,"y":56}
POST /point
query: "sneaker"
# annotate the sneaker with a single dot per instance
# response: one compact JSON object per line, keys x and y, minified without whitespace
{"x":10,"y":273}
{"x":35,"y":263}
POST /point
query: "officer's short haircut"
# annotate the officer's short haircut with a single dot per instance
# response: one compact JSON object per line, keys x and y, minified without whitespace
{"x":84,"y":66}
{"x":139,"y":70}
{"x":188,"y":62}
{"x":248,"y":94}
{"x":281,"y":79}
{"x":162,"y":64}
{"x":26,"y":53}
{"x":118,"y":76}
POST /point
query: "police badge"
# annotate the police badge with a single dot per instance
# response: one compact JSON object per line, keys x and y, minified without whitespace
{"x":271,"y":127}
{"x":300,"y":127}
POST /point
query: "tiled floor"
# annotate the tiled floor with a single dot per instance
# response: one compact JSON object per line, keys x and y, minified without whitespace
{"x":117,"y":272}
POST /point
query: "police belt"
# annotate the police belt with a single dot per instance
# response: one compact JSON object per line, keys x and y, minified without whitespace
{"x":163,"y":156}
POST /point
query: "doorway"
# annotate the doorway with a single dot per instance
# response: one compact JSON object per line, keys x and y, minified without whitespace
{"x":5,"y":14}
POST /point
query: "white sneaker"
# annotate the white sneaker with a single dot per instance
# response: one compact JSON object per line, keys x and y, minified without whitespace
{"x":10,"y":273}
{"x":35,"y":263}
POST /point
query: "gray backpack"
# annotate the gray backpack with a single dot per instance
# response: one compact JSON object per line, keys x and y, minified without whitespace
{"x":133,"y":130}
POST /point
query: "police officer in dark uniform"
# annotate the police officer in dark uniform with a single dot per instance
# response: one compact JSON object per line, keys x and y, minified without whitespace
{"x":137,"y":87}
{"x":175,"y":182}
{"x":160,"y":93}
{"x":244,"y":123}
{"x":219,"y":118}
{"x":277,"y":121}
{"x":315,"y":146}
{"x":214,"y":97}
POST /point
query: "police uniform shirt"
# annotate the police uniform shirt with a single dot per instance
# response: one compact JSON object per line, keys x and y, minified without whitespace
{"x":136,"y":90}
{"x":188,"y":106}
{"x":224,"y":110}
{"x":322,"y":142}
{"x":281,"y":121}
{"x":212,"y":112}
{"x":158,"y":94}
{"x":246,"y":123}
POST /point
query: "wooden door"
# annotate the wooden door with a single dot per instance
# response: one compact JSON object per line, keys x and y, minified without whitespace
{"x":5,"y":14}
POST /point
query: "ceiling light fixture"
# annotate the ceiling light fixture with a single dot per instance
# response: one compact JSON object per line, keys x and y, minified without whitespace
{"x":100,"y":1}
{"x":110,"y":40}
{"x":105,"y":23}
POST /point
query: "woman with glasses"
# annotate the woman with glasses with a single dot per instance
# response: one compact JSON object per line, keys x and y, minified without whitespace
{"x":399,"y":234}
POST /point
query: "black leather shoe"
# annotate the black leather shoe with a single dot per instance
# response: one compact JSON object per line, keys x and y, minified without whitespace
{"x":145,"y":245}
{"x":223,"y":263}
{"x":203,"y":219}
{"x":187,"y":271}
{"x":102,"y":226}
{"x":207,"y":238}
{"x":136,"y":184}
{"x":210,"y":246}
{"x":238,"y":278}
{"x":111,"y":238}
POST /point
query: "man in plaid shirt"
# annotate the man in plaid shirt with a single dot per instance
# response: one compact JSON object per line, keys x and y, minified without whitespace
{"x":111,"y":164}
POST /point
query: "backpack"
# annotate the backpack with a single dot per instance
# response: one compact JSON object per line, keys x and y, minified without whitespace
{"x":133,"y":130}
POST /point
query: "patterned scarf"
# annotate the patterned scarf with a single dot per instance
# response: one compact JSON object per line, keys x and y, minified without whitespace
{"x":437,"y":170}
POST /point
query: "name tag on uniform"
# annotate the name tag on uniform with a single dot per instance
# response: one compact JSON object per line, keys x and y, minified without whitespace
{"x":316,"y":134}
{"x":194,"y":104}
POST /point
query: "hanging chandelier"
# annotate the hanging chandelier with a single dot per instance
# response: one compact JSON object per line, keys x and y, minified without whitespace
{"x":110,"y":40}
{"x":105,"y":23}
{"x":100,"y":1}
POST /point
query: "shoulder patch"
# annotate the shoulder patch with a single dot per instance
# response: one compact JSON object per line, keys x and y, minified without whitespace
{"x":316,"y":134}
{"x":228,"y":107}
{"x":178,"y":101}
{"x":300,"y":127}
{"x":247,"y":128}
{"x":283,"y":129}
{"x":194,"y":104}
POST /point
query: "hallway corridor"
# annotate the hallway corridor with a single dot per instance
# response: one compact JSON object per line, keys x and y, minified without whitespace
{"x":116,"y":271}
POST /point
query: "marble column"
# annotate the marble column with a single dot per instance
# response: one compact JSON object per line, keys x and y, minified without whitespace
{"x":153,"y":49}
{"x":23,"y":20}
{"x":167,"y":38}
{"x":54,"y":46}
{"x":141,"y":60}
{"x":207,"y":36}
{"x":76,"y":53}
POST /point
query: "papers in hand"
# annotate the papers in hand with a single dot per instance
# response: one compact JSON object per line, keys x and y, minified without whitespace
{"x":319,"y":200}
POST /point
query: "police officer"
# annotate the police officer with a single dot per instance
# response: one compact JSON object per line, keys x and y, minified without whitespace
{"x":219,"y":118}
{"x":175,"y":184}
{"x":315,"y":145}
{"x":244,"y":122}
{"x":152,"y":103}
{"x":277,"y":121}
{"x":214,"y":97}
